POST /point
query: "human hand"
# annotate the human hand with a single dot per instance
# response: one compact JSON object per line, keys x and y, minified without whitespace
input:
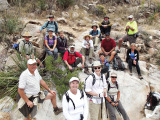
{"x":134,"y":62}
{"x":127,"y":27}
{"x":82,"y":65}
{"x":70,"y":68}
{"x":52,"y":50}
{"x":116,"y":104}
{"x":30,"y":104}
{"x":106,"y":53}
{"x":87,"y":47}
{"x":113,"y":104}
{"x":52,"y":92}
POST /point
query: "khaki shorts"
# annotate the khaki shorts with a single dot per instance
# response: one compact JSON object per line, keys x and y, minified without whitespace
{"x":129,"y":38}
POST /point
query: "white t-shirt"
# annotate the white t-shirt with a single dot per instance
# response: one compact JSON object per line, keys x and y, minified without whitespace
{"x":85,"y":46}
{"x":81,"y":106}
{"x":113,"y":90}
{"x":98,"y":87}
{"x":30,"y":83}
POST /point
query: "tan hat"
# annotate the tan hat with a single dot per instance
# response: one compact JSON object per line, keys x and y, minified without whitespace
{"x":94,"y":25}
{"x":113,"y":74}
{"x":96,"y":63}
{"x":73,"y":79}
{"x":31,"y":61}
{"x":87,"y":36}
{"x":26,"y":34}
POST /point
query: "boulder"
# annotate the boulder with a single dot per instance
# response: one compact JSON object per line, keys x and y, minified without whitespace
{"x":117,"y":35}
{"x":111,"y":10}
{"x":81,"y":23}
{"x":4,"y":5}
{"x":141,"y":20}
{"x":75,"y":15}
{"x":10,"y":62}
{"x":39,"y":52}
{"x":62,"y":20}
{"x":152,"y":51}
{"x":87,"y":19}
{"x":92,"y":7}
{"x":65,"y":14}
{"x":117,"y":26}
{"x":76,"y":7}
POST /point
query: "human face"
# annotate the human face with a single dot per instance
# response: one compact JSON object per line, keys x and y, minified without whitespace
{"x":94,"y":28}
{"x":26,"y":38}
{"x":106,"y":19}
{"x":50,"y":33}
{"x":74,"y":85}
{"x":87,"y":38}
{"x":113,"y":79}
{"x":133,"y":47}
{"x":97,"y":69}
{"x":130,"y":19}
{"x":72,"y":49}
{"x":51,"y":19}
{"x":61,"y":34}
{"x":107,"y":37}
{"x":102,"y":57}
{"x":32,"y":67}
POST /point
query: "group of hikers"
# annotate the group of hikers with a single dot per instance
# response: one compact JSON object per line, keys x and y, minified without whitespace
{"x":101,"y":89}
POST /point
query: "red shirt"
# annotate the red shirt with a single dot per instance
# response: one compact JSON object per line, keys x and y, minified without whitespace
{"x":71,"y":58}
{"x":108,"y":45}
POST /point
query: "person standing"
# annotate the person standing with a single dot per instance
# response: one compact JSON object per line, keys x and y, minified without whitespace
{"x":95,"y":88}
{"x":74,"y":102}
{"x":29,"y":91}
{"x":113,"y":99}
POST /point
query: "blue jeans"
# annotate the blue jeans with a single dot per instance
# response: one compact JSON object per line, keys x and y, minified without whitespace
{"x":52,"y":53}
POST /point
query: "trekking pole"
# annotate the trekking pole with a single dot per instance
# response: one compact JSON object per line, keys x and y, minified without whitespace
{"x":118,"y":110}
{"x":30,"y":114}
{"x":101,"y":107}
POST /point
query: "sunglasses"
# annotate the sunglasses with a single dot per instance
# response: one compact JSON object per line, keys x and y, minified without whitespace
{"x":114,"y":77}
{"x":97,"y":68}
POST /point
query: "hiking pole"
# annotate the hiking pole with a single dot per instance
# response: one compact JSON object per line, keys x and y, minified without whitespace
{"x":101,"y":106}
{"x":30,"y":114}
{"x":118,"y":110}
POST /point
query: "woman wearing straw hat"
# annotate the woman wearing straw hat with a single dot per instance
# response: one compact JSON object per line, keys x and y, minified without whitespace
{"x":75,"y":105}
{"x":95,"y":88}
{"x":87,"y":45}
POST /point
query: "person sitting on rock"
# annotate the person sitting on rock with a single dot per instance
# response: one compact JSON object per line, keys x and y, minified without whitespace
{"x":51,"y":24}
{"x":74,"y":102}
{"x":132,"y":59}
{"x":105,"y":25}
{"x":72,"y":59}
{"x":87,"y":46}
{"x":50,"y":44}
{"x":26,"y":48}
{"x":62,"y":43}
{"x":108,"y":47}
{"x":95,"y":88}
{"x":105,"y":65}
{"x":95,"y":35}
{"x":113,"y":99}
{"x":29,"y":90}
{"x":132,"y":31}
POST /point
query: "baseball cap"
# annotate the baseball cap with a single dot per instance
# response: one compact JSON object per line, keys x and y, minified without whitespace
{"x":73,"y":79}
{"x":31,"y":61}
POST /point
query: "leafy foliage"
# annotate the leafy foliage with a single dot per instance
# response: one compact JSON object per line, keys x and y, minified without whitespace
{"x":64,"y":4}
{"x":100,"y":10}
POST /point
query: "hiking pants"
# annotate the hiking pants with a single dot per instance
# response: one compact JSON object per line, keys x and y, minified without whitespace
{"x":95,"y":111}
{"x":111,"y":109}
{"x":84,"y":50}
{"x":52,"y":53}
{"x":105,"y":30}
{"x":130,"y":63}
{"x":79,"y":60}
{"x":95,"y":41}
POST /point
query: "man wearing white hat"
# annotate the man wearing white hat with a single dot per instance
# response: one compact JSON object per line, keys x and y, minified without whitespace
{"x":132,"y":32}
{"x":29,"y":90}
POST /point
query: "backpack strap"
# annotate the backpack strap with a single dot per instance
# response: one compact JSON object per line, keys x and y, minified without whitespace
{"x":56,"y":27}
{"x":94,"y":79}
{"x":109,"y":86}
{"x":47,"y":23}
{"x":117,"y":84}
{"x":82,"y":94}
{"x":68,"y":98}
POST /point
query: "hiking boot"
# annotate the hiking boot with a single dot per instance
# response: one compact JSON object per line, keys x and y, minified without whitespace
{"x":90,"y":60}
{"x":130,"y":73}
{"x":118,"y":51}
{"x":140,"y":77}
{"x":57,"y":110}
{"x":95,"y":48}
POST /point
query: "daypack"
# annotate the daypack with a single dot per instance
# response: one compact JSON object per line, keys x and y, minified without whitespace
{"x":153,"y":99}
{"x":118,"y":63}
{"x":93,"y":82}
{"x":56,"y":27}
{"x":74,"y":54}
{"x":69,"y":99}
{"x":109,"y":86}
{"x":100,"y":37}
{"x":48,"y":39}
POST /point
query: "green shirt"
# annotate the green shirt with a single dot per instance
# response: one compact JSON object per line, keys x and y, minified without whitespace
{"x":133,"y":25}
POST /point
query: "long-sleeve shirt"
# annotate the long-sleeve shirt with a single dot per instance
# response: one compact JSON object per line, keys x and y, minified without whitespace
{"x":26,"y":47}
{"x":51,"y":25}
{"x":61,"y":43}
{"x":81,"y":106}
{"x":85,"y":46}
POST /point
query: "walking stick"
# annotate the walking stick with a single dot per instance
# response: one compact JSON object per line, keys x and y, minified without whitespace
{"x":101,"y":107}
{"x":30,"y":117}
{"x":30,"y":114}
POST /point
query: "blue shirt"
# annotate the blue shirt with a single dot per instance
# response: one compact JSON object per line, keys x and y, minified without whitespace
{"x":51,"y":25}
{"x":94,"y":33}
{"x":132,"y":55}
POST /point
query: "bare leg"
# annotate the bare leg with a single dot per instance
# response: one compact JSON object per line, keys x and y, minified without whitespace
{"x":120,"y":43}
{"x":112,"y":56}
{"x":26,"y":119}
{"x":53,"y":99}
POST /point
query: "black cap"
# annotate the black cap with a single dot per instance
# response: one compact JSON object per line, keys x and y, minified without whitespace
{"x":107,"y":34}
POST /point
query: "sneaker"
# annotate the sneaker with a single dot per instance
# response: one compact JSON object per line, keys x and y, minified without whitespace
{"x":118,"y":51}
{"x":90,"y":60}
{"x":130,"y":73}
{"x":140,"y":77}
{"x":95,"y":48}
{"x":57,"y":110}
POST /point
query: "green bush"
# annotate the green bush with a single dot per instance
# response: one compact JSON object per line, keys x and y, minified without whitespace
{"x":42,"y":5}
{"x":64,"y":4}
{"x":100,"y":10}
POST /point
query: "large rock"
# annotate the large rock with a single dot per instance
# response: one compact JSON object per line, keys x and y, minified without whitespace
{"x":10,"y":62}
{"x":4,"y":5}
{"x":75,"y":15}
{"x":65,"y":14}
{"x":39,"y":52}
{"x":4,"y":116}
{"x":62,"y":20}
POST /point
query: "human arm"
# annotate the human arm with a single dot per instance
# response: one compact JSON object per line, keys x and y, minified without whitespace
{"x":83,"y":60}
{"x":66,"y":109}
{"x":83,"y":44}
{"x":55,"y":43}
{"x":43,"y":26}
{"x":56,"y":31}
{"x":70,"y":67}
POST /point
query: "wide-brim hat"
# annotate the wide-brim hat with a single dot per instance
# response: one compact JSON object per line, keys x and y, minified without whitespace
{"x":26,"y":34}
{"x":31,"y":61}
{"x":73,"y":79}
{"x":131,"y":16}
{"x":50,"y":16}
{"x":96,"y":63}
{"x":94,"y":25}
{"x":113,"y":74}
{"x":106,"y":16}
{"x":87,"y":36}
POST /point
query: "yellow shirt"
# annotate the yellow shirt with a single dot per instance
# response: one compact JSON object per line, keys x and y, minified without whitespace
{"x":133,"y":25}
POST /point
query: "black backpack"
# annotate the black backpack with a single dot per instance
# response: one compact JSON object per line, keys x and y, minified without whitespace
{"x":109,"y":86}
{"x":118,"y":63}
{"x":56,"y":27}
{"x":152,"y":101}
{"x":93,"y":82}
{"x":68,"y":98}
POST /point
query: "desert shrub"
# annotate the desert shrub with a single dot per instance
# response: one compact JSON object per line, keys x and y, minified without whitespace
{"x":64,"y":4}
{"x":100,"y":10}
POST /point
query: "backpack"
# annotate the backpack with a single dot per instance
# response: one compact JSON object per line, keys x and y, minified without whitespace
{"x":109,"y":86}
{"x":56,"y":27}
{"x":69,"y":99}
{"x":153,"y":99}
{"x":93,"y":82}
{"x":118,"y":63}
{"x":100,"y":37}
{"x":72,"y":55}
